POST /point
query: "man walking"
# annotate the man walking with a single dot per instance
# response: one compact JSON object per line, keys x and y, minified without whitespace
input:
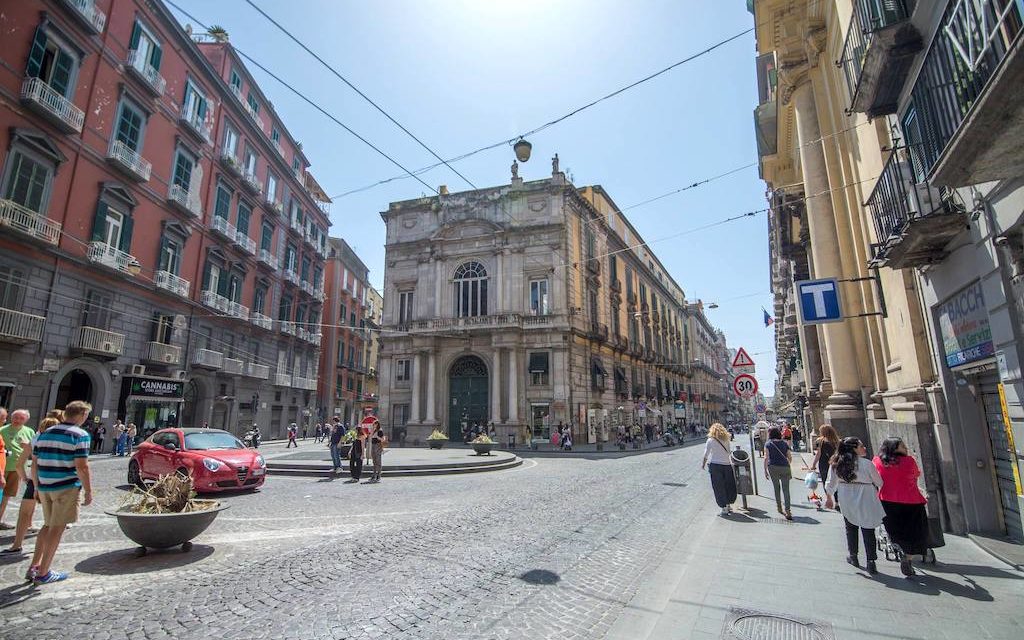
{"x":60,"y":470}
{"x":15,"y":436}
{"x":334,"y":443}
{"x":292,"y":432}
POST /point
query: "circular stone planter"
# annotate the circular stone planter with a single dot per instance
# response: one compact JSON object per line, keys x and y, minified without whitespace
{"x":165,"y":530}
{"x":436,"y":444}
{"x":483,"y":449}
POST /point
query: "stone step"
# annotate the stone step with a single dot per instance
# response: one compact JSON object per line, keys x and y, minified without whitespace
{"x":299,"y":470}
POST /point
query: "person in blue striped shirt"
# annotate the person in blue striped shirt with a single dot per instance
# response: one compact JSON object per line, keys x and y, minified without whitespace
{"x":60,"y":466}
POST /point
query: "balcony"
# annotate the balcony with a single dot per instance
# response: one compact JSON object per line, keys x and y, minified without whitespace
{"x":913,"y":221}
{"x":139,"y":66}
{"x":130,"y":161}
{"x":214,"y":300}
{"x":233,"y":367}
{"x":207,"y":359}
{"x":267,"y":259}
{"x":160,"y":353}
{"x":261,"y":320}
{"x":282,"y":380}
{"x":113,"y":258}
{"x":169,"y":282}
{"x":496,"y":321}
{"x":251,"y":182}
{"x":223,"y":228}
{"x":20,"y":328}
{"x":260,"y":371}
{"x":27,"y":222}
{"x":195,"y":124}
{"x":180,"y":198}
{"x":291,"y":276}
{"x":879,"y":50}
{"x":315,"y":338}
{"x":306,"y":287}
{"x":318,"y":294}
{"x":308,"y":384}
{"x":245,"y":243}
{"x":236,"y":310}
{"x":295,"y":225}
{"x":230,"y":163}
{"x":277,"y":147}
{"x":44,"y":100}
{"x":273,"y":206}
{"x":98,"y":342}
{"x":288,"y":328}
{"x":88,"y":14}
{"x":965,"y":108}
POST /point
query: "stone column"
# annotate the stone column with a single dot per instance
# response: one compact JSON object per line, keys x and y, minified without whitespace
{"x":499,"y":288}
{"x":414,"y":384}
{"x":513,"y":387}
{"x":843,"y":405}
{"x":438,"y":284}
{"x":431,"y":387}
{"x":496,"y":387}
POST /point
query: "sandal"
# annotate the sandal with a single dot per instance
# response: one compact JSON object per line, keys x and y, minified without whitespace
{"x":11,"y":550}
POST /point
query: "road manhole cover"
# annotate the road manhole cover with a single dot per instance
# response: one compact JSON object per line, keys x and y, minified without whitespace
{"x":750,"y":624}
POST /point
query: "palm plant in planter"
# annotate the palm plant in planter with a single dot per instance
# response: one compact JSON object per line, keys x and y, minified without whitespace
{"x":482,"y":444}
{"x":436,"y":440}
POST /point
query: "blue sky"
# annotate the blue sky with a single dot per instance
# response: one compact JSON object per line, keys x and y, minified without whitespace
{"x":463,"y":74}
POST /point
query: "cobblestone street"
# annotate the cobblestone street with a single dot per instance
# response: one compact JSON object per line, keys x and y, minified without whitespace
{"x":558,"y":548}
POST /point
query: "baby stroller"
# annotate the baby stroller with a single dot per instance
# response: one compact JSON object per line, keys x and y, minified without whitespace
{"x":894,"y":553}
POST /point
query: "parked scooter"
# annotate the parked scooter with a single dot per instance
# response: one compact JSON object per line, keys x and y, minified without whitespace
{"x":252,"y":438}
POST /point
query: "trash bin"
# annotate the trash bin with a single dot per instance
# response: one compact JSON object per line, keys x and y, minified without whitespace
{"x":511,"y":441}
{"x":741,"y":469}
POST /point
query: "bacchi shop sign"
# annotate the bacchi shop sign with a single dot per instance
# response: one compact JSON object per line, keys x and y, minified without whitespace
{"x":150,"y":388}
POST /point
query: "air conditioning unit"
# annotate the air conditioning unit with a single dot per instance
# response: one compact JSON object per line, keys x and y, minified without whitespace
{"x":138,"y":369}
{"x":107,"y":346}
{"x":168,"y":358}
{"x":179,"y":374}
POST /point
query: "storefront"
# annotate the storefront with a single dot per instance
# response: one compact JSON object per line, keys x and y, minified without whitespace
{"x":151,"y":403}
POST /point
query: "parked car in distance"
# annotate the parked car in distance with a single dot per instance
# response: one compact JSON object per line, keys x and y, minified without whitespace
{"x":216,"y":460}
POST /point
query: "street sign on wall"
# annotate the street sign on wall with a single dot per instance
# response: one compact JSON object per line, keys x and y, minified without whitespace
{"x":819,"y":301}
{"x":745,"y":385}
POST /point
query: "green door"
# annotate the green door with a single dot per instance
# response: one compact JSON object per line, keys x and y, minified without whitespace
{"x":467,"y":395}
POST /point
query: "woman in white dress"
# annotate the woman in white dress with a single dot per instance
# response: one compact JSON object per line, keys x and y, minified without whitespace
{"x":857,"y":481}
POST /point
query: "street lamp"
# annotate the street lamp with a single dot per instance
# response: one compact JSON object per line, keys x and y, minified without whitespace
{"x":522,"y":149}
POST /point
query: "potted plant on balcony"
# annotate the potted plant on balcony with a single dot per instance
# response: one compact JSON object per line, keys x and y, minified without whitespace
{"x":436,"y":440}
{"x":482,"y":444}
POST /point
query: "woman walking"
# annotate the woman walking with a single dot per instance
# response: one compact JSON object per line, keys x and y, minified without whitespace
{"x":718,"y":461}
{"x":778,"y":457}
{"x":355,"y":458}
{"x":906,"y":520}
{"x":856,"y":482}
{"x":827,"y":445}
{"x":28,"y":499}
{"x":377,"y":451}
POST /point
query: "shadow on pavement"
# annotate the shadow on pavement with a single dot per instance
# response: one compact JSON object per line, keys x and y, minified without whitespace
{"x":540,"y":576}
{"x":931,"y":585}
{"x":17,"y":594}
{"x":973,"y":570}
{"x":124,"y":561}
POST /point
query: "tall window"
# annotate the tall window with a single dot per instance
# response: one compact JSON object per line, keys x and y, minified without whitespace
{"x":304,"y":270}
{"x":184,"y":164}
{"x":234,"y":292}
{"x":290,"y":257}
{"x":267,"y":239}
{"x":271,"y":187}
{"x":616,"y":328}
{"x":163,"y":328}
{"x":613,"y":268}
{"x":51,"y":61}
{"x":275,"y":135}
{"x":405,"y":308}
{"x":402,"y":370}
{"x":97,"y":309}
{"x":195,"y":104}
{"x":12,"y":290}
{"x":170,"y":255}
{"x":146,"y":48}
{"x":539,"y":297}
{"x":470,"y":290}
{"x":222,"y":207}
{"x":259,"y":299}
{"x":255,"y":106}
{"x":231,"y":141}
{"x":130,"y":125}
{"x":539,"y":368}
{"x":244,"y":214}
{"x":28,"y":180}
{"x":236,"y":81}
{"x":629,"y":281}
{"x":250,"y":161}
{"x":213,"y":279}
{"x":285,"y":311}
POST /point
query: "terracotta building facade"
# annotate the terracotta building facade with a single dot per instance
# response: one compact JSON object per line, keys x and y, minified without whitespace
{"x":162,"y":244}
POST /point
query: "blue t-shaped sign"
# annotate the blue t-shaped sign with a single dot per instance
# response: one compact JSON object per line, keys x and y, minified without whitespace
{"x":819,"y":301}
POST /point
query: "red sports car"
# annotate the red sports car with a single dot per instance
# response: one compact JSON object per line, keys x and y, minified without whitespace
{"x":215,"y":459}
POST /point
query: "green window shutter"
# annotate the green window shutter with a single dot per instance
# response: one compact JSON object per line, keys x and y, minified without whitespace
{"x":222,"y":284}
{"x":133,"y":43}
{"x":126,"y":234}
{"x":35,"y":56}
{"x":206,"y":276}
{"x":223,"y":203}
{"x":163,"y":255}
{"x":61,"y":77}
{"x":99,"y":223}
{"x":201,"y":109}
{"x":155,"y":57}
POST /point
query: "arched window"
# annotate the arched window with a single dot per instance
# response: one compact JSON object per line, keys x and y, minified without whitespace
{"x":470,"y":290}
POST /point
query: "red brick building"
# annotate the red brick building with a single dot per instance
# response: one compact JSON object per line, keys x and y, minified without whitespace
{"x":162,"y":244}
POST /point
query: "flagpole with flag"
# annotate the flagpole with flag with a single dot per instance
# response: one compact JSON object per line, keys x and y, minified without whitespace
{"x":768,"y":320}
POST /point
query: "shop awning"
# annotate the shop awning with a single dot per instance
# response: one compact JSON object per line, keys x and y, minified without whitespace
{"x":538,"y":363}
{"x":155,"y":399}
{"x":596,"y":367}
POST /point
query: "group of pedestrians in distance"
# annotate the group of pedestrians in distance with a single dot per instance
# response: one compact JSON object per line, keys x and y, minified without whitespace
{"x":52,"y":462}
{"x":869,"y":493}
{"x":365,"y":441}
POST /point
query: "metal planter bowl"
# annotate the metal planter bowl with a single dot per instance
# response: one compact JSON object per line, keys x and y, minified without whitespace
{"x":482,"y":449}
{"x":165,"y":530}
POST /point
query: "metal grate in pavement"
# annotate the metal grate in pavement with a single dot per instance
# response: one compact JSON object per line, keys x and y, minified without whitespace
{"x":751,"y":624}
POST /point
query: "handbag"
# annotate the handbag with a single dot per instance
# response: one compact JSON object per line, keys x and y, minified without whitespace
{"x":936,"y":538}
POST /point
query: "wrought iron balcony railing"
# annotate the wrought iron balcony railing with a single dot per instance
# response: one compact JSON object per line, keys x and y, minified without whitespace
{"x":112,"y":257}
{"x":88,"y":14}
{"x":199,"y":126}
{"x":139,"y":65}
{"x":169,"y":282}
{"x":207,"y":358}
{"x":19,"y":327}
{"x":99,"y":341}
{"x":52,"y":105}
{"x":26,"y":221}
{"x":183,"y":201}
{"x":130,"y":161}
{"x":163,"y":353}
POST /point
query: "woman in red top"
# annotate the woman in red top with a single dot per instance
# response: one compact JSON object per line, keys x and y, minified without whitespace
{"x":906,"y":520}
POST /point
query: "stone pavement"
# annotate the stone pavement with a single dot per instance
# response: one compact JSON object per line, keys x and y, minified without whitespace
{"x":758,"y":561}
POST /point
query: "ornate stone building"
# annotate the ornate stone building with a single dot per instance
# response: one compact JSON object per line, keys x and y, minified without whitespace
{"x":526,"y":305}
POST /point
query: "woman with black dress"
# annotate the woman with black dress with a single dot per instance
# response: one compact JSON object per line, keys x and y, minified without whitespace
{"x":906,"y":519}
{"x":355,"y":458}
{"x":828,"y":444}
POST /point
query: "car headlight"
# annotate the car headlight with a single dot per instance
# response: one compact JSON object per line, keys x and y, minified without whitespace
{"x":211,"y":464}
{"x":260,"y":462}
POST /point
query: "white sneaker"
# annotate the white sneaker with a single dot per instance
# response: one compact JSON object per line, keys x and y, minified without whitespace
{"x":724,"y":511}
{"x":728,"y":508}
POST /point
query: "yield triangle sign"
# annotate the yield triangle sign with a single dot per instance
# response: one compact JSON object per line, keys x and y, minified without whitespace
{"x":742,"y":359}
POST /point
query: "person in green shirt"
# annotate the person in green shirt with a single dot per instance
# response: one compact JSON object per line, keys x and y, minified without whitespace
{"x":15,"y":435}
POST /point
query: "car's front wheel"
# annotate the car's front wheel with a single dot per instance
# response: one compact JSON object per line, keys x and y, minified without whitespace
{"x":135,"y":475}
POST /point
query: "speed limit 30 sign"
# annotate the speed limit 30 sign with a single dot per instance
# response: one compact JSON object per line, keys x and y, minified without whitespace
{"x":745,"y":385}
